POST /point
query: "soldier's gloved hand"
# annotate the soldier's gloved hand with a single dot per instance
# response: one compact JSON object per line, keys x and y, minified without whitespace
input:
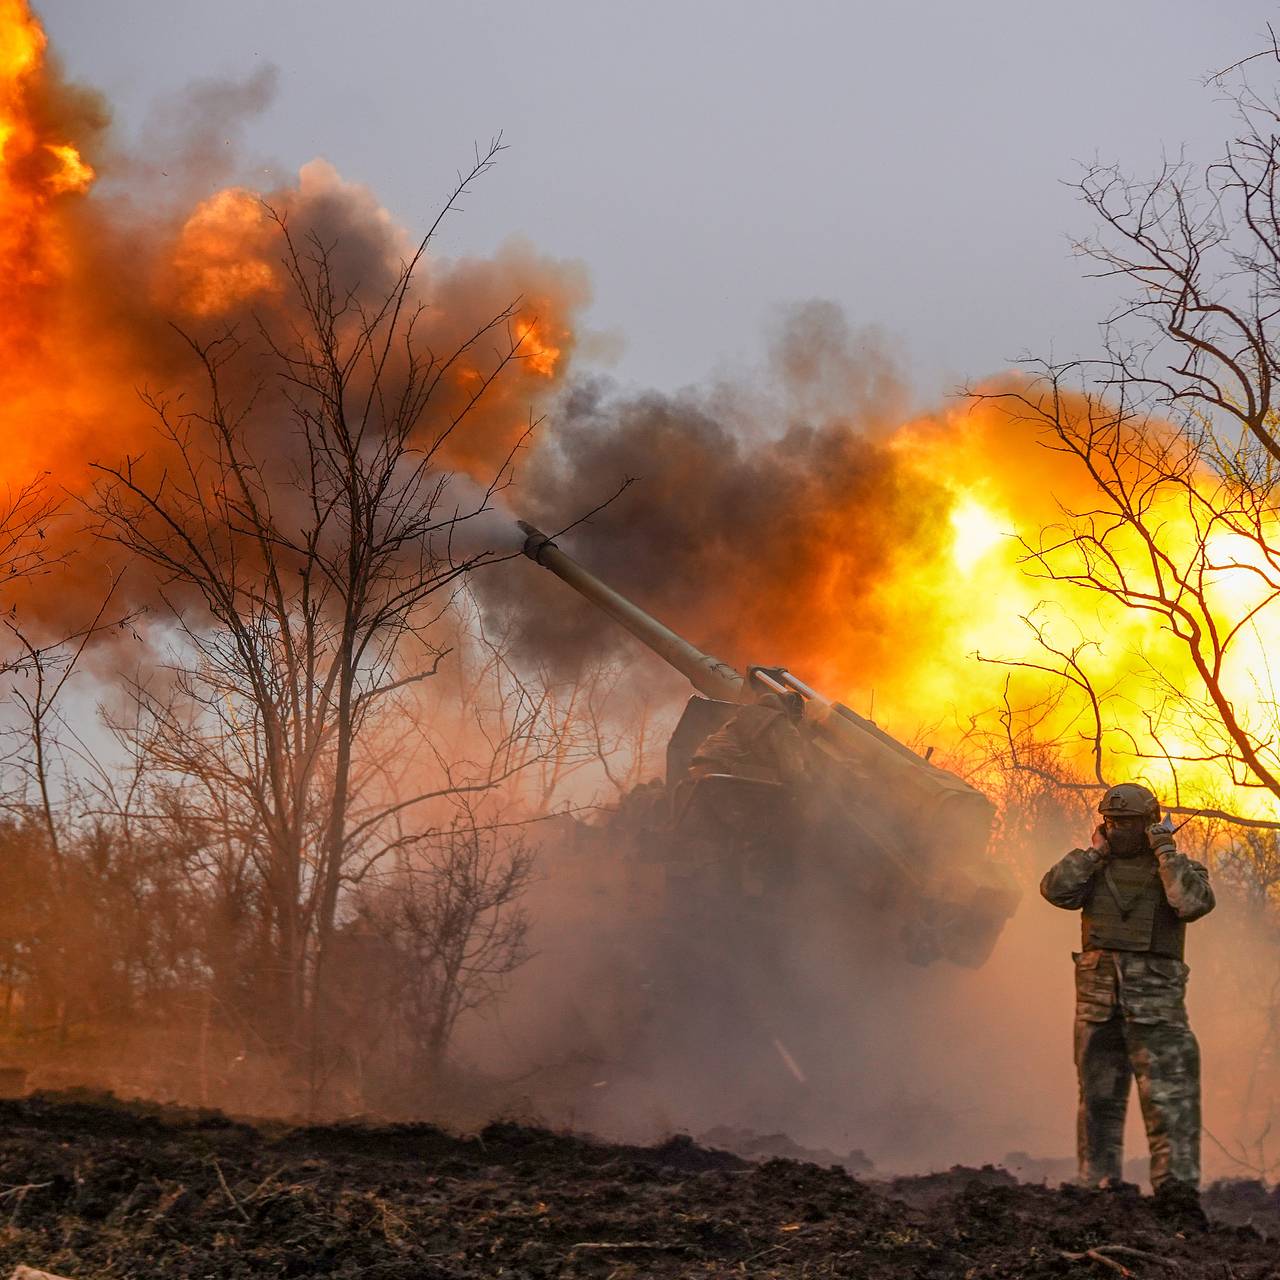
{"x":1160,"y":836}
{"x":1099,"y":843}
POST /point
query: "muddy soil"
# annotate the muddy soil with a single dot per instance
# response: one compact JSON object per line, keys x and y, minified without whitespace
{"x":90,"y":1189}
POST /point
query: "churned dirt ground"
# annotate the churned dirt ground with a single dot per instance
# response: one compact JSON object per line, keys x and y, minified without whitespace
{"x":93,"y":1188}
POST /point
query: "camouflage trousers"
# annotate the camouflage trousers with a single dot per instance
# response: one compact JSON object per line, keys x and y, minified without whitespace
{"x":1131,"y":1024}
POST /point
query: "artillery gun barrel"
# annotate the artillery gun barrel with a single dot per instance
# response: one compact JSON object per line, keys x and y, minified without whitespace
{"x":879,"y":803}
{"x":711,"y":677}
{"x":932,"y":795}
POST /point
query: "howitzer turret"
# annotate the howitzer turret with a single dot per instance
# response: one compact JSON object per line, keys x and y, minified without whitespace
{"x":900,"y":831}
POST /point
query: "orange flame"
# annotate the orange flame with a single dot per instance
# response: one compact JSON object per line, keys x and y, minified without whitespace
{"x":88,"y":292}
{"x":22,"y":43}
{"x":953,"y":619}
{"x":72,"y":173}
{"x":536,"y":350}
{"x":224,"y":255}
{"x":43,"y":176}
{"x":35,"y":169}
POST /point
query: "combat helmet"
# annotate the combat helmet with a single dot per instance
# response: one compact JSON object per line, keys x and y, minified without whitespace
{"x":1130,"y":800}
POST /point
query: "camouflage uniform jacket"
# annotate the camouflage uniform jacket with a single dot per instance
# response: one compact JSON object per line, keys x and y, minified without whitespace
{"x":1141,"y":985}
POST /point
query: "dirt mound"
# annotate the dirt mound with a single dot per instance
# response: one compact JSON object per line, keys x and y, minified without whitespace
{"x":765,"y":1146}
{"x":93,"y":1188}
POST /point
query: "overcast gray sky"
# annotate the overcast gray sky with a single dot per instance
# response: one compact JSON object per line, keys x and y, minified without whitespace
{"x":709,"y":161}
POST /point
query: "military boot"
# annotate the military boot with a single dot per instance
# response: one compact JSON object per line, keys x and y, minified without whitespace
{"x":1178,"y":1204}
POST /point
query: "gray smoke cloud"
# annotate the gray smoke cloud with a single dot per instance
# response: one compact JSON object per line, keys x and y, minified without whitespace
{"x":759,"y":513}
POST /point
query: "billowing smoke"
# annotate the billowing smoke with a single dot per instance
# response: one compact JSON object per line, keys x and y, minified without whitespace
{"x":114,"y":261}
{"x":762,"y":520}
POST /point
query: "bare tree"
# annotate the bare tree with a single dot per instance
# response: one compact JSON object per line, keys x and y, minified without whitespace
{"x":47,"y":766}
{"x":24,"y":514}
{"x":1176,"y":430}
{"x":299,"y":576}
{"x":454,"y":916}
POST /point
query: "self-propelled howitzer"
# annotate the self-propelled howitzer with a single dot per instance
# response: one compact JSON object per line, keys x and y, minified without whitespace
{"x":898,"y":833}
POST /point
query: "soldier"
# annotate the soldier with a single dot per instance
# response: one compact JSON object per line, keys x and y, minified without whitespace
{"x":1136,"y":894}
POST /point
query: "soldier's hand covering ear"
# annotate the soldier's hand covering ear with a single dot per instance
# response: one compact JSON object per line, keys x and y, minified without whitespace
{"x":1160,"y":835}
{"x":1099,"y":842}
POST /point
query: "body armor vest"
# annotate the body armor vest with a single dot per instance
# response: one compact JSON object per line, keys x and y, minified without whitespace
{"x":1126,"y":910}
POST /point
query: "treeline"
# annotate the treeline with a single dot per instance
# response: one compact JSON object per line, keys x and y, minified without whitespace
{"x":151,"y":963}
